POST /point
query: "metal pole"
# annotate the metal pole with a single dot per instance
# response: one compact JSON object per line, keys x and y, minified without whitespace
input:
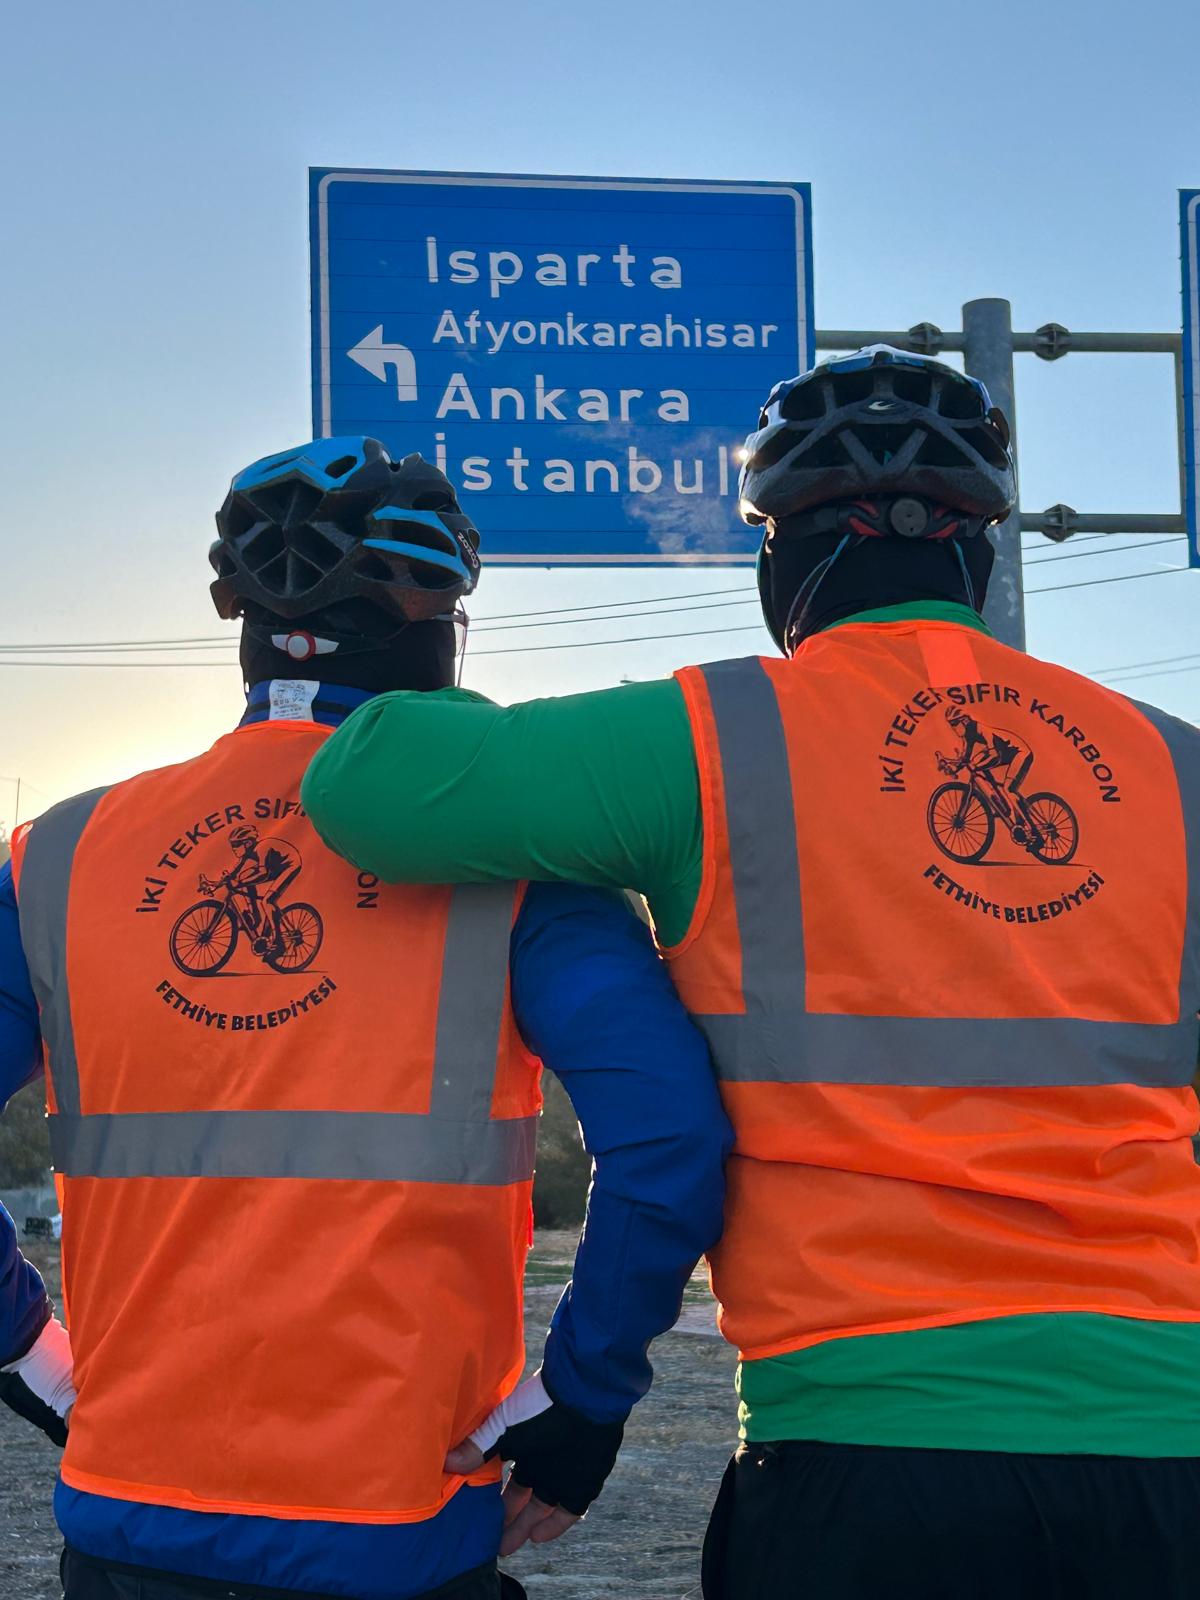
{"x":1052,"y":522}
{"x":927,"y":339}
{"x":17,"y":815}
{"x":1181,"y":425}
{"x":988,"y":355}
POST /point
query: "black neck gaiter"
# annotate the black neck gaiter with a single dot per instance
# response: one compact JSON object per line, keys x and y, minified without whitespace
{"x":871,"y":573}
{"x":420,"y":657}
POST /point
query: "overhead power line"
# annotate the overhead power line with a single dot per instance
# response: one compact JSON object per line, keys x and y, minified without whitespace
{"x":1134,"y":666}
{"x":506,"y":650}
{"x":479,"y":624}
{"x":590,"y":644}
{"x":613,"y":605}
{"x":128,"y":647}
{"x":578,"y":622}
{"x":115,"y":666}
{"x":120,"y":644}
{"x":1089,"y":583}
{"x":1158,"y":672}
{"x":1115,"y":550}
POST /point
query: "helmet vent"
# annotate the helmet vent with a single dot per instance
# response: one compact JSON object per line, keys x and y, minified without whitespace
{"x":773,"y":450}
{"x":340,"y":467}
{"x":432,"y":500}
{"x":804,"y":403}
{"x":273,"y":576}
{"x":262,"y":547}
{"x":301,"y":573}
{"x":915,"y":387}
{"x":849,"y":388}
{"x":826,"y":452}
{"x":236,"y":519}
{"x":286,"y":503}
{"x":960,"y":401}
{"x":938,"y":451}
{"x":988,"y":446}
{"x":314,"y":547}
{"x":369,"y":565}
{"x":885,"y":442}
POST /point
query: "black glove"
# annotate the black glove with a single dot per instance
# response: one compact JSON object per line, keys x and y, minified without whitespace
{"x":561,"y":1455}
{"x":19,"y":1397}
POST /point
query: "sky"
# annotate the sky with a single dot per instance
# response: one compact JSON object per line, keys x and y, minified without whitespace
{"x":154,"y":288}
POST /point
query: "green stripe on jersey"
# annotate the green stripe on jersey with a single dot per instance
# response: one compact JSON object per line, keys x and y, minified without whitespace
{"x":918,"y":611}
{"x":1059,"y":1384}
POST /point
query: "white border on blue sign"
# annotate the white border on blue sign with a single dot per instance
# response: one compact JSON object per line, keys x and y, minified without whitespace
{"x":1189,"y":205}
{"x":799,"y":193}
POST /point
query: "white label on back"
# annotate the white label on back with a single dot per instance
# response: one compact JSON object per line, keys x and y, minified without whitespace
{"x":292,"y":699}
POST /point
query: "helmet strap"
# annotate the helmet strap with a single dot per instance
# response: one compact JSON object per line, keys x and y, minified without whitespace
{"x":962,"y":562}
{"x":793,"y":628}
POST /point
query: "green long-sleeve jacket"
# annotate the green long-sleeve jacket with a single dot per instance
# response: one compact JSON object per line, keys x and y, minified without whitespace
{"x":602,"y":788}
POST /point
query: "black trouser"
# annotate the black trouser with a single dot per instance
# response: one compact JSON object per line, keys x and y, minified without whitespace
{"x":86,"y":1579}
{"x":800,"y":1521}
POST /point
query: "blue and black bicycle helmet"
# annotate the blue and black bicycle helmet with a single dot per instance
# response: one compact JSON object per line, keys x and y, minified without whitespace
{"x":337,"y":537}
{"x":879,"y":423}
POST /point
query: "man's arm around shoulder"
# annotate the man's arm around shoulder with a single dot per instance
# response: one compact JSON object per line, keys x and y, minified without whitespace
{"x":446,"y":787}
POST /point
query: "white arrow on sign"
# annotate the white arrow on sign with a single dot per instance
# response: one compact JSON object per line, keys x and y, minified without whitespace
{"x":376,"y":356}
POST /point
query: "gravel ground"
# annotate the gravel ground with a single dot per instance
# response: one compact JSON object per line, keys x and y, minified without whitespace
{"x":640,"y":1542}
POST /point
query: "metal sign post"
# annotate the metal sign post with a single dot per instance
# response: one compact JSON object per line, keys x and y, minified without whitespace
{"x":1189,"y":370}
{"x":988,"y":344}
{"x":988,"y":355}
{"x":583,"y":356}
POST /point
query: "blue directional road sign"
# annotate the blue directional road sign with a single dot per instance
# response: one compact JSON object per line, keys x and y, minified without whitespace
{"x":582,"y":356}
{"x":1189,"y":206}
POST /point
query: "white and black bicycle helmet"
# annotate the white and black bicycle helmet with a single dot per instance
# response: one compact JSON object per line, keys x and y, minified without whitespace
{"x":877,"y":423}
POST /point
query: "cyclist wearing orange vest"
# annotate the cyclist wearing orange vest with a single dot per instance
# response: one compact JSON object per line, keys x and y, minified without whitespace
{"x":296,"y":1170}
{"x":961,"y":1260}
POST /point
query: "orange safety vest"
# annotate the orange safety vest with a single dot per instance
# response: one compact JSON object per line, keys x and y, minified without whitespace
{"x":295,"y":1144}
{"x":955,"y":1026}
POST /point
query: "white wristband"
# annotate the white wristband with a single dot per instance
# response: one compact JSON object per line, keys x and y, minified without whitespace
{"x":528,"y":1399}
{"x":46,"y":1368}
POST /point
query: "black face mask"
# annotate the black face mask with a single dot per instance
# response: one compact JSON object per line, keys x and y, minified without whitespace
{"x":868,"y":574}
{"x":422,"y":656}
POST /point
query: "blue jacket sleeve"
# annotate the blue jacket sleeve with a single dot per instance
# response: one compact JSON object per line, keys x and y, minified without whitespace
{"x":20,"y":1034}
{"x":24,"y":1306}
{"x":593,"y":1000}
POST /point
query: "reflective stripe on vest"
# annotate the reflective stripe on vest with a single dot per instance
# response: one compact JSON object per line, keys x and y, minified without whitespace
{"x":1183,"y":742}
{"x":778,"y":1041}
{"x":457,"y":1142}
{"x":49,"y":856}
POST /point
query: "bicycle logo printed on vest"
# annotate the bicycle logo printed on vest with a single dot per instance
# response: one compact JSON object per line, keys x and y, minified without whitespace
{"x":987,"y":774}
{"x":245,"y":900}
{"x":984,"y":811}
{"x":242,"y":917}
